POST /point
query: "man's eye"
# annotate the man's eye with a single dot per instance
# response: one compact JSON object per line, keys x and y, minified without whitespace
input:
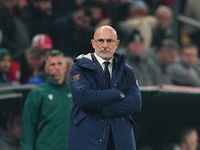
{"x":109,"y":41}
{"x":101,"y":40}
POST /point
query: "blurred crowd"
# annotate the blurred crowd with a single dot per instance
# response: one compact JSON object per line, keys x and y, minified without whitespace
{"x":147,"y":29}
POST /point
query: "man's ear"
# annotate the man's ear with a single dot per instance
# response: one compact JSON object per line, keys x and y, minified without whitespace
{"x":117,"y":43}
{"x":92,"y":42}
{"x":66,"y":67}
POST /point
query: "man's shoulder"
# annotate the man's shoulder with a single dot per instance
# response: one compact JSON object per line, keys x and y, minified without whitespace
{"x":128,"y":67}
{"x":40,"y":88}
{"x":154,"y":62}
{"x":177,"y":66}
{"x":84,"y":60}
{"x":36,"y":94}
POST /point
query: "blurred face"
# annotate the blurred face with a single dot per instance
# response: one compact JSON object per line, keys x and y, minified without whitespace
{"x":21,"y":3}
{"x":164,"y":19}
{"x":35,"y":64}
{"x":190,"y":56}
{"x":136,"y":48}
{"x":44,"y":6}
{"x":104,"y":1}
{"x":168,"y":57}
{"x":96,"y":13}
{"x":56,"y":68}
{"x":5,"y":63}
{"x":10,"y":4}
{"x":105,"y":42}
{"x":81,"y":21}
{"x":192,"y":141}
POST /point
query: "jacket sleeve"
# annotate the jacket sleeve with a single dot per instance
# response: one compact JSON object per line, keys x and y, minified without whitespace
{"x":132,"y":103}
{"x":29,"y":120}
{"x":85,"y":96}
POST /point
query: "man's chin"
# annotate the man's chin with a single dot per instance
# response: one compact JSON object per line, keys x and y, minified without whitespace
{"x":105,"y":56}
{"x":56,"y":77}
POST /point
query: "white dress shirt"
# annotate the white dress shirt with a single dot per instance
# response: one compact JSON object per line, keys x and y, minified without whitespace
{"x":101,"y":62}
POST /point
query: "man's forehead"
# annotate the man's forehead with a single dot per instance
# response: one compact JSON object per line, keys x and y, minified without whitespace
{"x":107,"y":32}
{"x":55,"y":59}
{"x":6,"y":57}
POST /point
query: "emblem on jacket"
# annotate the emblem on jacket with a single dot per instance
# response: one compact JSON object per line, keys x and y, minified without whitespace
{"x":50,"y":96}
{"x":69,"y":95}
{"x":76,"y":77}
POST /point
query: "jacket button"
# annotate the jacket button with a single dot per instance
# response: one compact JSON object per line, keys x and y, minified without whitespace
{"x":115,"y":84}
{"x":100,"y":140}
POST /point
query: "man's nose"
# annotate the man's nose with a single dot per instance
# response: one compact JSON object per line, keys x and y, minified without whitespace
{"x":56,"y":66}
{"x":105,"y":43}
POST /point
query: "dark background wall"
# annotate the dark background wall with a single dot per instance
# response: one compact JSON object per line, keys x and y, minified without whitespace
{"x":163,"y":113}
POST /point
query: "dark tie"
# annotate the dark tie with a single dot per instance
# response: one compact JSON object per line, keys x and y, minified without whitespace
{"x":107,"y":72}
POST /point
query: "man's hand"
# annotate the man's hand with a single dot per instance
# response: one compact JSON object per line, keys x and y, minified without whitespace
{"x":121,"y":95}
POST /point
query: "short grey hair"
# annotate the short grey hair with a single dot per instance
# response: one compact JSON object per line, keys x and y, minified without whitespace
{"x":163,"y":8}
{"x":54,"y":53}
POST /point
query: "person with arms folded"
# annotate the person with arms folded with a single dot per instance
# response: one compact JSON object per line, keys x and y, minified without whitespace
{"x":105,"y":97}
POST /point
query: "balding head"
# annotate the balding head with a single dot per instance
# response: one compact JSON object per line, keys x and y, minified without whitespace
{"x":106,"y":30}
{"x":105,"y":42}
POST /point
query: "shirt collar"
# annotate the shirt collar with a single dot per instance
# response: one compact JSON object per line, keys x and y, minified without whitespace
{"x":101,"y":61}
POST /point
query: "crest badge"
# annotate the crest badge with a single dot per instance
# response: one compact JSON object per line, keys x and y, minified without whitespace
{"x":50,"y":96}
{"x":76,"y":77}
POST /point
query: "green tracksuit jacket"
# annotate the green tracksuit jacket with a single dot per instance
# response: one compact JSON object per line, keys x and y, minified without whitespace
{"x":45,"y":121}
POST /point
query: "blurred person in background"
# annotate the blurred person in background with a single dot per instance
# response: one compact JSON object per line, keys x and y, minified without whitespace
{"x":9,"y":69}
{"x":96,"y":12}
{"x":39,"y":41}
{"x":10,"y":130}
{"x":140,"y":19}
{"x":118,"y":11}
{"x":42,"y":41}
{"x":71,"y":34}
{"x":45,"y":121}
{"x":192,"y":11}
{"x":164,"y":27}
{"x":136,"y":57}
{"x":31,"y":63}
{"x":7,"y":24}
{"x":5,"y":65}
{"x":22,"y":37}
{"x":13,"y":26}
{"x":98,"y":16}
{"x":185,"y":138}
{"x":186,"y":71}
{"x":161,"y":60}
{"x":188,"y":139}
{"x":38,"y":16}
